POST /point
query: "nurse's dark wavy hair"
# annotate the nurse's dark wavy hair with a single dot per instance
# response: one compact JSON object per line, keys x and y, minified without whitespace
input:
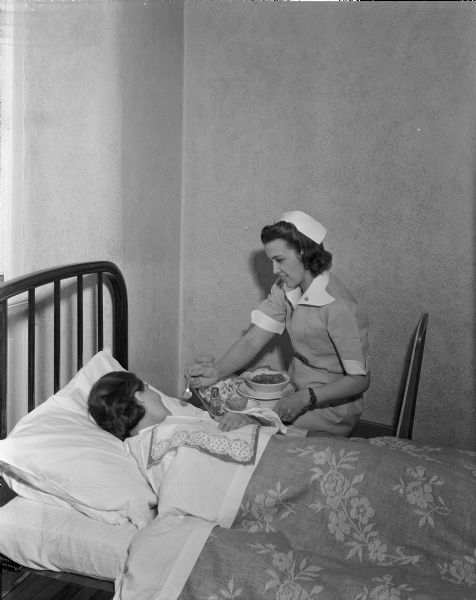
{"x":314,"y":257}
{"x":113,"y":405}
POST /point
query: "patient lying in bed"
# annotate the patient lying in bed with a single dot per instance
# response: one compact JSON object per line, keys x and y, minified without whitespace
{"x":198,"y":473}
{"x":124,"y":405}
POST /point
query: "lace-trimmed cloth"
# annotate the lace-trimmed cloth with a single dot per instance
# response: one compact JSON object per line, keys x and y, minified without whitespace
{"x":237,"y":446}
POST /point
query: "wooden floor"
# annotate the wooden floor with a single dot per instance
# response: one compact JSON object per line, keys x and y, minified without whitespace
{"x":26,"y":586}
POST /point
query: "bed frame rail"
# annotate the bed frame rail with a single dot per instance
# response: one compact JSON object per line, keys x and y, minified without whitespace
{"x":108,"y":274}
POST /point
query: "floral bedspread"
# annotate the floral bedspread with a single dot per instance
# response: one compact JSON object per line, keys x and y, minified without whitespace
{"x":347,"y":519}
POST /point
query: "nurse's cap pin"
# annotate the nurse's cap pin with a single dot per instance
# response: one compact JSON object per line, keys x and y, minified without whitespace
{"x":305,"y":224}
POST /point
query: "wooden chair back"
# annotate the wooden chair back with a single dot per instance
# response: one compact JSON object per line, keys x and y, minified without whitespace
{"x":403,"y":427}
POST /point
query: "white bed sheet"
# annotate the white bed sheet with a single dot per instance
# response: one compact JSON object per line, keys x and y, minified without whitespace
{"x":56,"y":538}
{"x":198,"y":491}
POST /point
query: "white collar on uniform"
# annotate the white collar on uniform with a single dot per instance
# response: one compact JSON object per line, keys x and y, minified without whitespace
{"x":315,"y":295}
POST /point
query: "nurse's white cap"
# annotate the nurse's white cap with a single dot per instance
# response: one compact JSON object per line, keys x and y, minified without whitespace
{"x":305,"y":224}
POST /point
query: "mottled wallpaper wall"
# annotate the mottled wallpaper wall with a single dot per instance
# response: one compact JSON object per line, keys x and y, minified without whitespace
{"x":97,"y":153}
{"x":164,"y":135}
{"x":364,"y":116}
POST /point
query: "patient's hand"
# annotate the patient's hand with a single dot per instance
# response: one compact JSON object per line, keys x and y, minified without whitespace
{"x":231,"y":421}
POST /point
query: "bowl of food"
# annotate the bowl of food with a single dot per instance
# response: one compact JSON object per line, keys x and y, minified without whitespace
{"x":267,"y":381}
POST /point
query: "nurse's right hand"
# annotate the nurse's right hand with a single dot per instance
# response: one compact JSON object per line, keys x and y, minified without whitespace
{"x":202,"y":376}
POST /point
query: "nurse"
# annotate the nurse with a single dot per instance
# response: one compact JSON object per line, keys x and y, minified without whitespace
{"x":327,"y":326}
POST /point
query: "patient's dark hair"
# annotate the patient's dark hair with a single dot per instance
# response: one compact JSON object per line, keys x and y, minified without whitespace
{"x":314,"y":257}
{"x":113,"y":405}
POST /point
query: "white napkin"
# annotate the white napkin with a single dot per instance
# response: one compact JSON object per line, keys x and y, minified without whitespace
{"x":266,"y":416}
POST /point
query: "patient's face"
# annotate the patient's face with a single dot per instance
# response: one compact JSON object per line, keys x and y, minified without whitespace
{"x":155,"y":411}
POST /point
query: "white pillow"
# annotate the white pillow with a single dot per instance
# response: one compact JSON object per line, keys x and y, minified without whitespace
{"x":58,"y":454}
{"x":41,"y":536}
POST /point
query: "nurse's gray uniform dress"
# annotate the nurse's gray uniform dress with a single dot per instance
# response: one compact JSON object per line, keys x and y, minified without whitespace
{"x":329,"y":334}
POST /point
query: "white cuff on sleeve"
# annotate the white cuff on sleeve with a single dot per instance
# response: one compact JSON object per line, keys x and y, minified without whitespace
{"x":354,"y":367}
{"x":267,"y":323}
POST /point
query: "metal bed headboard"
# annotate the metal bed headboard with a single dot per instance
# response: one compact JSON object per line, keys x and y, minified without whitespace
{"x":107,"y":273}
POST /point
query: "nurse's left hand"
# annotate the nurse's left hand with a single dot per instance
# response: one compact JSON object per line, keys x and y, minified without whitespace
{"x":290,"y":407}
